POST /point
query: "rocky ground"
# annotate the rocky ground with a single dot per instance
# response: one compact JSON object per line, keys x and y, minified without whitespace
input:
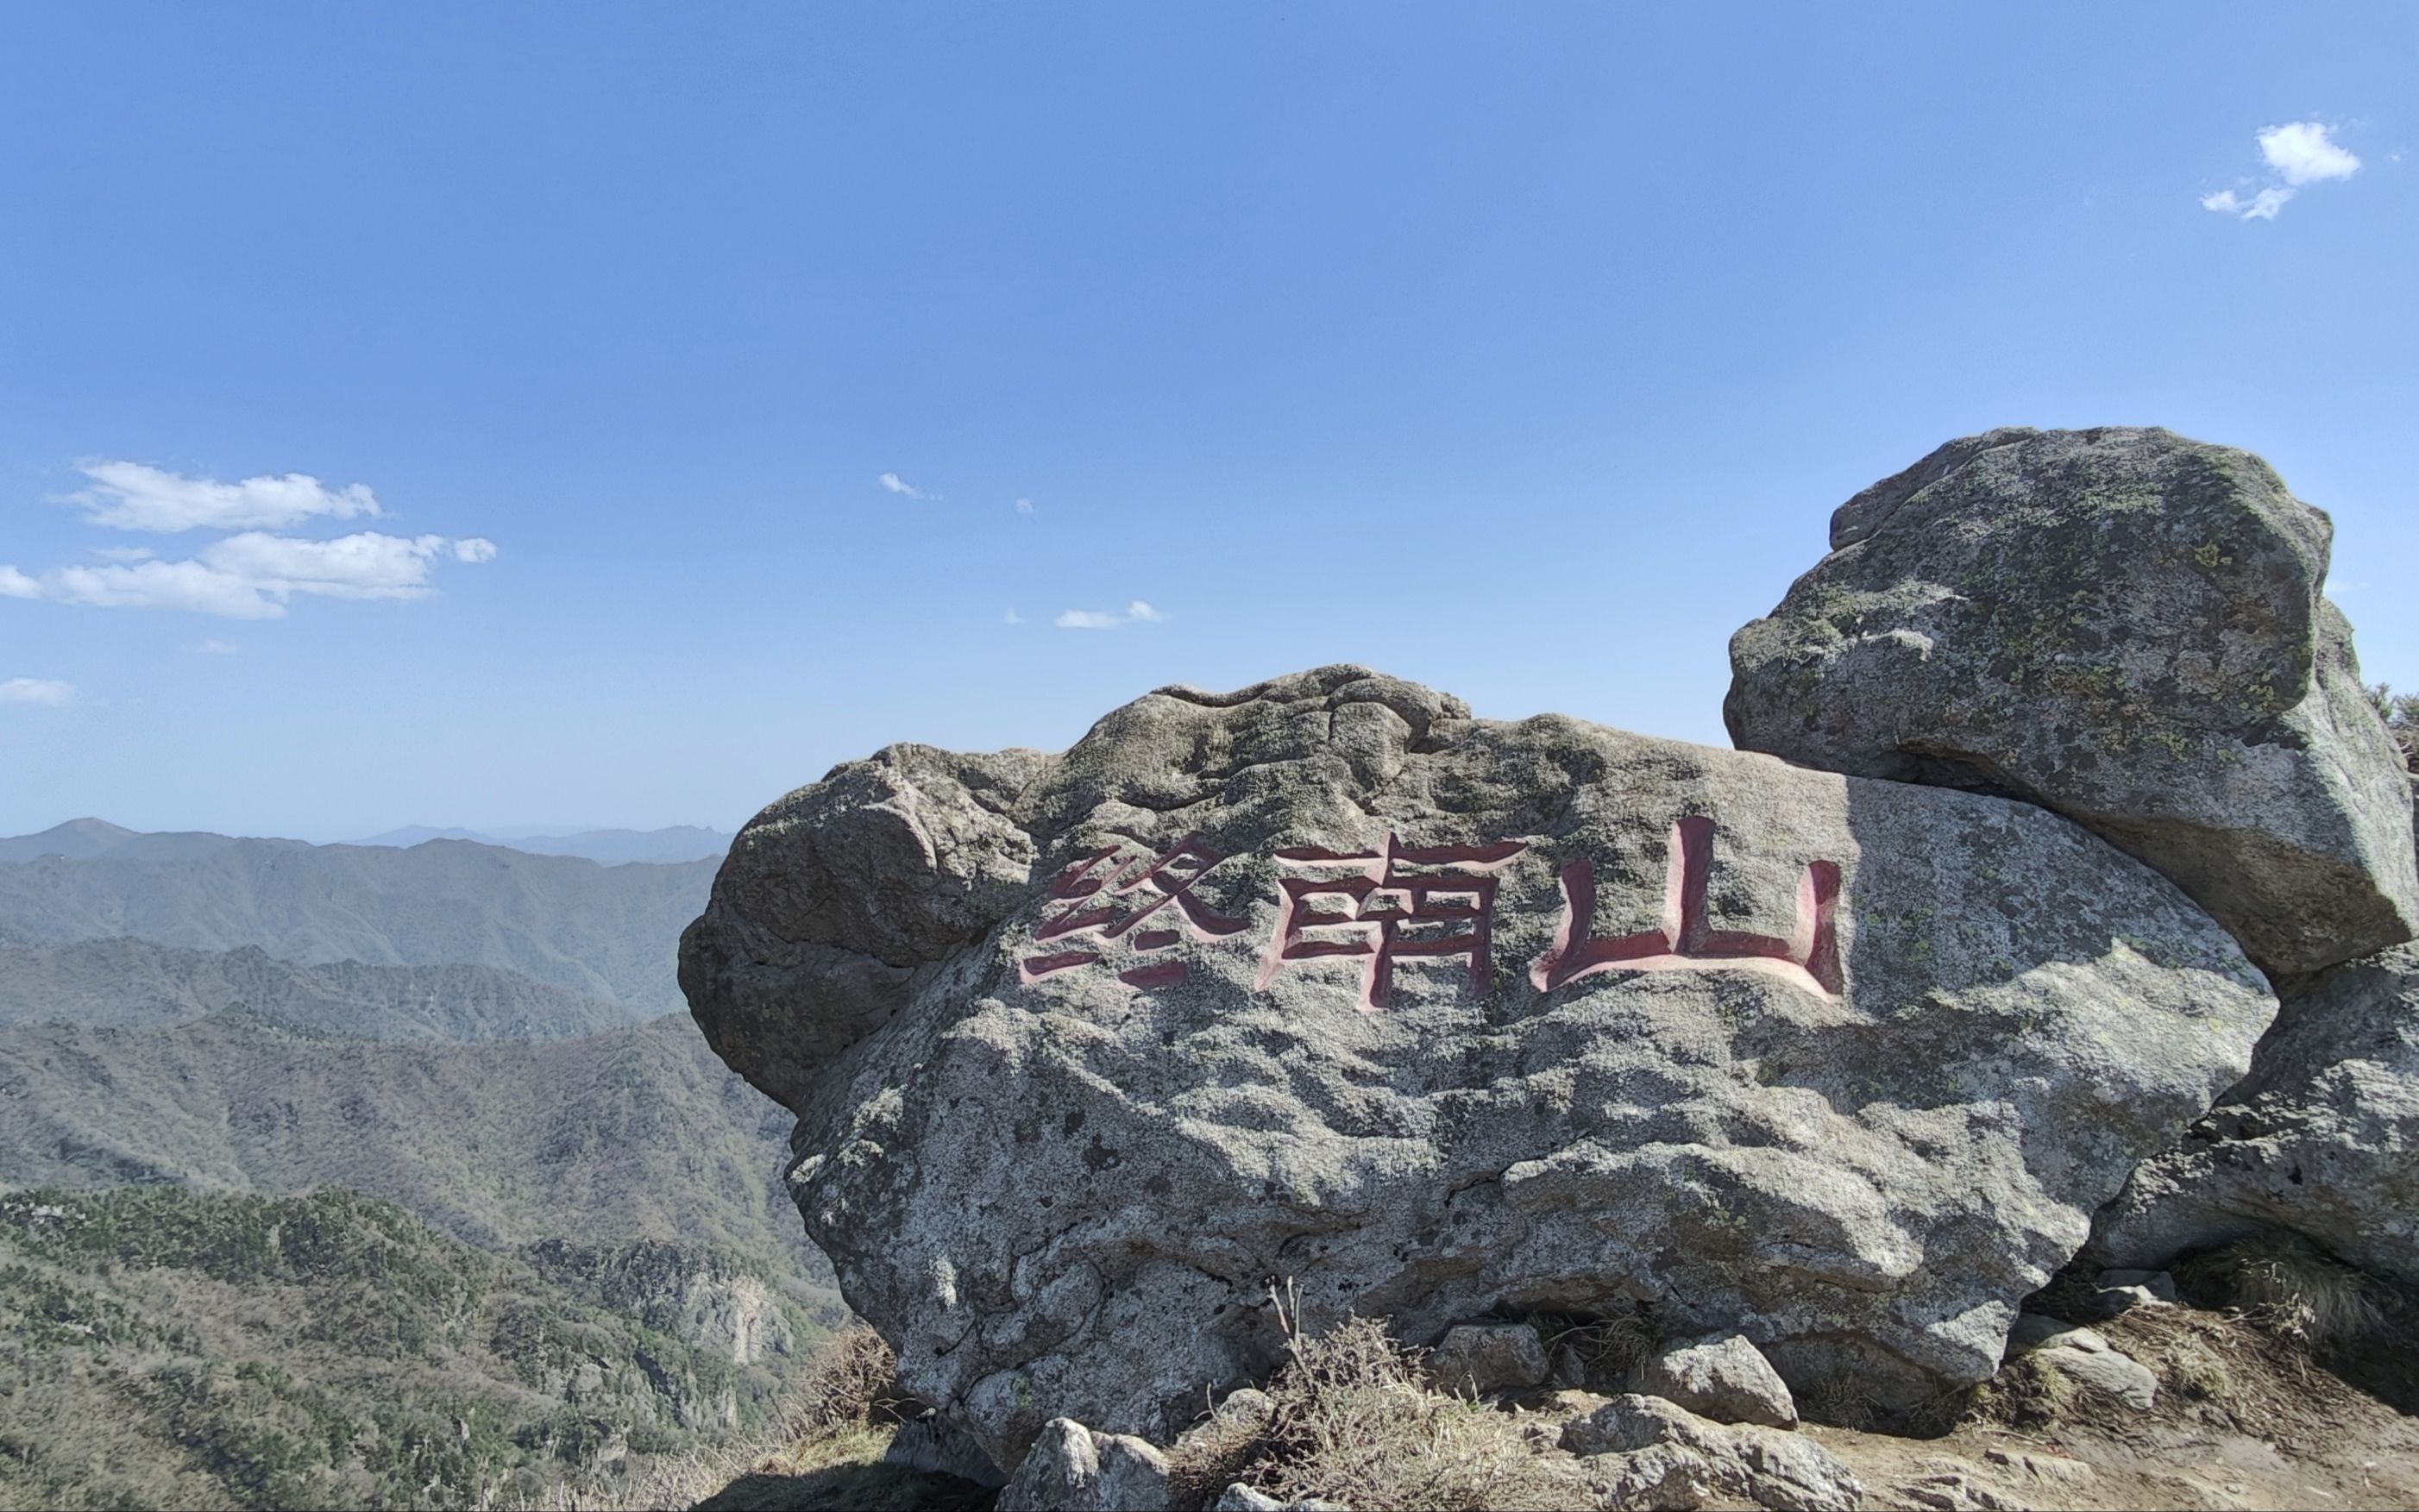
{"x":2246,"y":1415}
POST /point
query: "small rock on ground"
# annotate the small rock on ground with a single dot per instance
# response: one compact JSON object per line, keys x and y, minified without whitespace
{"x":1072,"y":1468}
{"x":1656,"y":1454}
{"x":2085,"y":1357}
{"x":1726,"y":1379}
{"x":1241,"y":1498}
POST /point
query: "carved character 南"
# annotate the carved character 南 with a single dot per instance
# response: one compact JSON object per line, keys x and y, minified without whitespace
{"x":1391,"y":910}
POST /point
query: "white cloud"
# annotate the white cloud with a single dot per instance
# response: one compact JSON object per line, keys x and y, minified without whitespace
{"x":893,"y":482}
{"x":123,"y":553}
{"x":213,"y":648}
{"x":1136,"y":612}
{"x":43,"y":690}
{"x":252,"y":576}
{"x":1013,"y":618}
{"x":2303,"y":153}
{"x":129,"y":496}
{"x":1024,"y":506}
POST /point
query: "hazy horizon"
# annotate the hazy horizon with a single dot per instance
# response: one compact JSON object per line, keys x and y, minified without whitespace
{"x":504,"y":833}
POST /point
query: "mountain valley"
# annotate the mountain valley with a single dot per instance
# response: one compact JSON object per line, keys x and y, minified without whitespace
{"x":356,"y":1176}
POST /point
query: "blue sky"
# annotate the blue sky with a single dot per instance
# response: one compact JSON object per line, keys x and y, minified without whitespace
{"x":1522,"y":351}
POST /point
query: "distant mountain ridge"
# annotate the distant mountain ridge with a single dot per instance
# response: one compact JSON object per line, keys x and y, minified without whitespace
{"x":81,"y":839}
{"x":132,"y":983}
{"x":605,"y":847}
{"x":602,"y":932}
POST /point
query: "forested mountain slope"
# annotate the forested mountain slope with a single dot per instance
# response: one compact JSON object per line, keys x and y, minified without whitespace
{"x":161,"y":1347}
{"x":131,"y":983}
{"x":637,"y":1134}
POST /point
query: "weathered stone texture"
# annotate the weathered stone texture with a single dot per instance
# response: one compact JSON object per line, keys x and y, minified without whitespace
{"x":1072,"y":1468}
{"x":2128,"y":627}
{"x":2322,"y":1139}
{"x":1650,"y":1453}
{"x":1841,"y":1066}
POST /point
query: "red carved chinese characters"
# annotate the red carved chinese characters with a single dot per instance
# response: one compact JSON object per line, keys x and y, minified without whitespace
{"x":1102,"y":903}
{"x":1810,"y":957}
{"x":1388,"y":909}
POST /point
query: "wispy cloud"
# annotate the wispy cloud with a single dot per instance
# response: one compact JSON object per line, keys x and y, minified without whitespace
{"x":1024,"y":506}
{"x":1136,"y":612}
{"x":129,"y":496}
{"x":251,"y":574}
{"x":1013,"y":618}
{"x":254,"y":575}
{"x":212,"y":648}
{"x":2260,"y":207}
{"x":893,"y":482}
{"x":2297,"y":155}
{"x":42,"y":691}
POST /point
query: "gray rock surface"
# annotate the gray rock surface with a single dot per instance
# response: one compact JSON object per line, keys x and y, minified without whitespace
{"x":2125,"y":627}
{"x":2322,"y":1139}
{"x":1722,"y":1377}
{"x":1483,"y":1357}
{"x":1654,"y":1453}
{"x":1072,"y":1468}
{"x":1326,"y":981}
{"x":1634,"y":1421}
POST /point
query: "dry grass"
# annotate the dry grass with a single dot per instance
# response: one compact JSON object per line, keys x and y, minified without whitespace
{"x":2286,"y":1285}
{"x":1842,"y":1400}
{"x":1607,"y":1348}
{"x":1355,"y":1422}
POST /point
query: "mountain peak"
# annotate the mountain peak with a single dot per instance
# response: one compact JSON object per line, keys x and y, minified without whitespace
{"x":75,"y":840}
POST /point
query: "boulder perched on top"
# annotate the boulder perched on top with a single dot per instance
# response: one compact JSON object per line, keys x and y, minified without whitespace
{"x":2125,"y":627}
{"x":2322,"y":1139}
{"x":1326,"y":989}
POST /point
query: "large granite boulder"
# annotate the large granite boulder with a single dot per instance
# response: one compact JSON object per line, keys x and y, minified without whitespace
{"x":2125,"y":627}
{"x":1327,"y":987}
{"x":2322,"y":1139}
